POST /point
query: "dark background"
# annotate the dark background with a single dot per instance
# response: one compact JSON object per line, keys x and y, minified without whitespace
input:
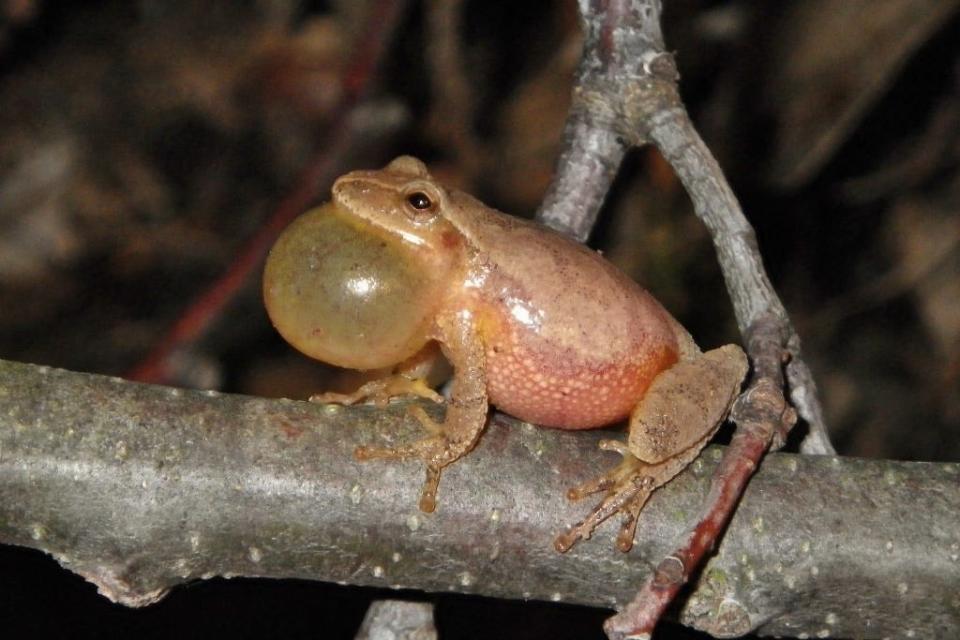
{"x":141,"y":143}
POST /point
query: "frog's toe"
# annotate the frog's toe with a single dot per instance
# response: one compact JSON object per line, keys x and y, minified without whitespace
{"x":430,"y":425}
{"x":627,"y":468}
{"x":336,"y":398}
{"x":381,"y":391}
{"x":428,"y":494}
{"x":628,"y":528}
{"x":435,"y":452}
{"x":628,"y":486}
{"x":628,"y":496}
{"x":433,"y":449}
{"x":429,"y":450}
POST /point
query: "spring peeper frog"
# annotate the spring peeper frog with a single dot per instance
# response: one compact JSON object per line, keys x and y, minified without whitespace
{"x":531,"y":321}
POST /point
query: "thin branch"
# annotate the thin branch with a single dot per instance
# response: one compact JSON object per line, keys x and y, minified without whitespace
{"x":750,"y":289}
{"x":761,"y":414}
{"x":598,"y":133}
{"x":586,"y":168}
{"x":627,"y":92}
{"x":140,"y":488}
{"x":197,"y":318}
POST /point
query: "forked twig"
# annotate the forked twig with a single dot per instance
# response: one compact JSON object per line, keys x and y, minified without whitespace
{"x":626,"y":96}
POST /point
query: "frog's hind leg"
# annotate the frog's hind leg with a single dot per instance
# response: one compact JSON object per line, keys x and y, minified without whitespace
{"x":466,"y":414}
{"x":674,"y":420}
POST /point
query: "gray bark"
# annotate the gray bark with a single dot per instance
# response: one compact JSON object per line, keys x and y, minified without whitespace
{"x":626,"y":96}
{"x":140,"y":488}
{"x":751,"y":291}
{"x":398,"y":620}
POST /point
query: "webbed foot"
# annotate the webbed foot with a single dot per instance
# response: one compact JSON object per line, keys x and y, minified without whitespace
{"x":436,"y":451}
{"x":628,"y":486}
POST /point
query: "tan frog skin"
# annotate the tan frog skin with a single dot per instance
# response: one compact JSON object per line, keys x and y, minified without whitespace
{"x":532,"y":322}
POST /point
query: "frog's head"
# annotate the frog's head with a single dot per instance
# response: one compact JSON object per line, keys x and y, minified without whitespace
{"x":358,"y":282}
{"x":403,"y":200}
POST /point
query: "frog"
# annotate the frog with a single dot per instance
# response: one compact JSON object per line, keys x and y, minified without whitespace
{"x":397,"y":271}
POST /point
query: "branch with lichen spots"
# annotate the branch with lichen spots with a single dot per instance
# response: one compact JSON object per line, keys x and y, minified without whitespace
{"x":141,"y":488}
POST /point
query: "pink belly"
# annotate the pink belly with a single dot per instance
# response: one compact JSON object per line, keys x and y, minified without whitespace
{"x":555,"y":390}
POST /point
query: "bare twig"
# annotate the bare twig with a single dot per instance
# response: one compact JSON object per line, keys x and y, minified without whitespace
{"x":626,"y":95}
{"x":751,"y":292}
{"x":320,"y":171}
{"x":140,"y":488}
{"x":595,"y":136}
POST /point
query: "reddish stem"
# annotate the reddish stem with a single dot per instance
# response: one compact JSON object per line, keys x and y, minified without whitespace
{"x":371,"y":44}
{"x":761,"y":414}
{"x":656,"y":594}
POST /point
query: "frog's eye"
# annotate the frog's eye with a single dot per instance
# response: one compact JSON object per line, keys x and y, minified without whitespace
{"x":419,"y":200}
{"x":421,"y":204}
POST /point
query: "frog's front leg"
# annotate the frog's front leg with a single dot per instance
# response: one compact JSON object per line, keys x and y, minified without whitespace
{"x":412,"y":377}
{"x":677,"y":416}
{"x":381,"y":390}
{"x":466,"y":410}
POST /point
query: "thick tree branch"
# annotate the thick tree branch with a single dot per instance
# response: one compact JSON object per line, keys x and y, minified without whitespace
{"x":140,"y":488}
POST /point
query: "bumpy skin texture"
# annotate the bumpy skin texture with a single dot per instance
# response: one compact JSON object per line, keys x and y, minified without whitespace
{"x":531,"y":321}
{"x":575,"y":348}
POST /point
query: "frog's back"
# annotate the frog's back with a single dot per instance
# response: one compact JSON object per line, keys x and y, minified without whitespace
{"x":571,"y":341}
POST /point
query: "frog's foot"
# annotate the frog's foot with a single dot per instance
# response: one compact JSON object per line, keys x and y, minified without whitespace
{"x":436,"y":451}
{"x":628,"y":486}
{"x":380,"y":391}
